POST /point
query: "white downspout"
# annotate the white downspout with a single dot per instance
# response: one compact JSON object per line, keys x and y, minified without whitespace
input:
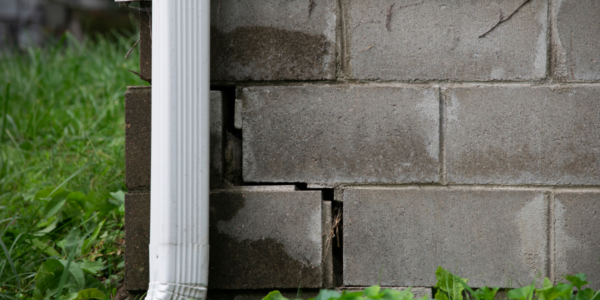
{"x":180,"y":149}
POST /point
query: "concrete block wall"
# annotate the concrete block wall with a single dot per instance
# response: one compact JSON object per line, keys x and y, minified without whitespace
{"x":458,"y":133}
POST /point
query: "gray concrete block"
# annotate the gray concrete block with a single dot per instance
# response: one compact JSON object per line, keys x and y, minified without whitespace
{"x":265,"y":237}
{"x":137,"y":239}
{"x":577,"y":235}
{"x":138,"y":114}
{"x":489,"y":236}
{"x":424,"y":40}
{"x":334,"y":134}
{"x":576,"y":39}
{"x":523,"y":135}
{"x":273,"y":40}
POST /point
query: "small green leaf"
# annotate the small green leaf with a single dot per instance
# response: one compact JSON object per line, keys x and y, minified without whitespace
{"x":48,"y":277}
{"x":350,"y":296}
{"x":449,"y":284}
{"x":577,"y":280}
{"x":596,"y":296}
{"x":48,"y":228}
{"x":91,"y":267}
{"x":521,"y":293}
{"x":585,"y":294}
{"x":90,"y":294}
{"x":87,"y":244}
{"x":119,"y":195}
{"x":274,"y":295}
{"x":485,"y":293}
{"x":49,"y":250}
{"x":56,"y":204}
{"x":372,"y":292}
{"x":76,"y":273}
{"x":327,"y":294}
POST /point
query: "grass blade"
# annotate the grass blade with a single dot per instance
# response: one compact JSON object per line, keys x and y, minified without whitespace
{"x":5,"y":112}
{"x":70,"y":177}
{"x":10,"y":261}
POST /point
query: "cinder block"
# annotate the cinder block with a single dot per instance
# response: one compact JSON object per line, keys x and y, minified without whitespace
{"x":265,"y":237}
{"x":489,"y":236}
{"x":138,"y":120}
{"x":273,"y":40}
{"x":138,"y":115}
{"x":576,"y":41}
{"x":523,"y":135}
{"x":577,"y":235}
{"x":425,"y":40}
{"x":340,"y":133}
{"x":137,"y":239}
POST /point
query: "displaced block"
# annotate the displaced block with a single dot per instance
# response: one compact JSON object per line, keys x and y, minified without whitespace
{"x":523,"y":135}
{"x":265,"y":237}
{"x":426,"y":40}
{"x":138,"y":120}
{"x":489,"y":236}
{"x":137,"y":239}
{"x":273,"y":40}
{"x":576,"y":39}
{"x":334,"y":134}
{"x":138,"y":115}
{"x":577,"y":235}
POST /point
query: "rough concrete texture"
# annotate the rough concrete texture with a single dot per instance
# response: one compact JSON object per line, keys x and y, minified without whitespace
{"x":145,"y":18}
{"x":273,"y":40}
{"x":418,"y":292}
{"x":257,"y":294}
{"x":137,"y":239}
{"x":334,"y":134}
{"x":422,"y":40}
{"x":577,"y":235}
{"x":576,"y":41}
{"x":489,"y":236}
{"x":265,"y":237}
{"x":523,"y":135}
{"x":216,"y":139}
{"x":138,"y":114}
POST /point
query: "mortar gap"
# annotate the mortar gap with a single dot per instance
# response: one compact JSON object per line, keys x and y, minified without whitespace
{"x":337,"y":210}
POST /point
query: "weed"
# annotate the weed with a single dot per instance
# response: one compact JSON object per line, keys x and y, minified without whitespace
{"x":61,"y":155}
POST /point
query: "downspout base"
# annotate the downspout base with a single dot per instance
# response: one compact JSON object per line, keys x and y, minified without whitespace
{"x":170,"y":291}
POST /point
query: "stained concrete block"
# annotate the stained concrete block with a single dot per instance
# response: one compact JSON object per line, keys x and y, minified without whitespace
{"x":273,"y":40}
{"x":490,"y":236}
{"x":265,"y":237}
{"x":523,"y":135}
{"x":577,"y":235}
{"x":138,"y":120}
{"x":425,"y":40}
{"x":576,"y":39}
{"x":340,"y":133}
{"x":138,"y":114}
{"x":137,"y":239}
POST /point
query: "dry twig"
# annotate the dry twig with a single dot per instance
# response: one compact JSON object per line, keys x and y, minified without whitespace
{"x":311,"y":6}
{"x":128,"y":52}
{"x":504,"y":19}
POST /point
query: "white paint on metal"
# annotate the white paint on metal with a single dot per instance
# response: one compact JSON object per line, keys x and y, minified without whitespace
{"x":180,"y":150}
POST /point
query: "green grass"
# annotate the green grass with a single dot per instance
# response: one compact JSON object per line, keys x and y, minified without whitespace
{"x":62,"y":146}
